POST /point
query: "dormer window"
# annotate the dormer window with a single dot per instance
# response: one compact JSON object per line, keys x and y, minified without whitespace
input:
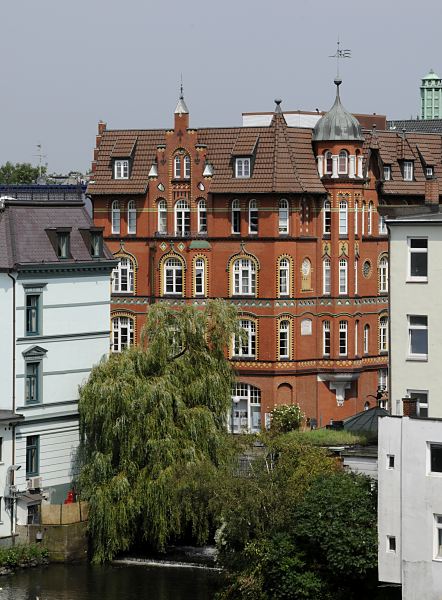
{"x":242,"y":168}
{"x":408,"y":170}
{"x":63,"y":245}
{"x":121,"y":169}
{"x":96,"y":244}
{"x":429,"y":172}
{"x":387,"y":172}
{"x":181,"y":165}
{"x":343,"y":162}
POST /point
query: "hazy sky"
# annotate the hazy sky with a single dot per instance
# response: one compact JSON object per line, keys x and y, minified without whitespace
{"x":66,"y":64}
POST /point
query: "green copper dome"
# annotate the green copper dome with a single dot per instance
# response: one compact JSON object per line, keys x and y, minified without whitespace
{"x":337,"y":124}
{"x":431,"y":75}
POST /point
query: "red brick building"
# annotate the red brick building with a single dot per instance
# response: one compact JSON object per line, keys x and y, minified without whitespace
{"x":282,"y":222}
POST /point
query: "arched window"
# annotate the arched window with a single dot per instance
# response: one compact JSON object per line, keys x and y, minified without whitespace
{"x":367,"y":405}
{"x":326,"y":276}
{"x":356,"y":216}
{"x":343,"y":287}
{"x":343,"y":334}
{"x":200,"y":277}
{"x":236,"y":216}
{"x":187,"y":167}
{"x":343,"y":217}
{"x":131,"y":217}
{"x":383,"y":334}
{"x":326,"y":216}
{"x":202,"y":216}
{"x":284,"y":277}
{"x":326,"y":338}
{"x":116,"y":216}
{"x":177,"y":167}
{"x":366,"y":338}
{"x":383,"y":275}
{"x":173,"y":276}
{"x":343,"y":162}
{"x":245,"y":344}
{"x":363,"y":219}
{"x":356,"y":337}
{"x":162,"y":216}
{"x":122,"y":333}
{"x":246,"y":409}
{"x":123,"y":276}
{"x":370,"y":218}
{"x":284,"y":339}
{"x":283,"y":216}
{"x":182,"y":218}
{"x":328,"y":162}
{"x":244,"y":277}
{"x":253,"y":217}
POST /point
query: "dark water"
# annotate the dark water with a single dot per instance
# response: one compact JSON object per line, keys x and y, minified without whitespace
{"x":84,"y":582}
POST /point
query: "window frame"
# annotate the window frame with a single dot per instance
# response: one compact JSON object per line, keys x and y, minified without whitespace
{"x":202,"y":216}
{"x":283,"y":217}
{"x":131,"y":217}
{"x":284,"y":274}
{"x":124,"y":271}
{"x":416,"y":355}
{"x":173,"y":274}
{"x":356,"y":210}
{"x":239,"y":266}
{"x":117,"y":344}
{"x":177,"y":166}
{"x":343,"y":269}
{"x":326,"y":337}
{"x":416,"y":278}
{"x":326,"y":276}
{"x":383,"y":275}
{"x":246,"y":346}
{"x":387,"y":172}
{"x":366,"y":340}
{"x":252,"y":396}
{"x":421,"y":407}
{"x":32,"y":455}
{"x":284,"y":338}
{"x":370,"y":218}
{"x":115,"y":217}
{"x":63,"y":245}
{"x":37,"y":311}
{"x":343,"y":162}
{"x":182,"y":218}
{"x":383,"y":334}
{"x":162,"y":216}
{"x":243,"y":167}
{"x":187,"y":167}
{"x":343,"y":217}
{"x":121,"y":168}
{"x":253,"y":217}
{"x":328,"y":160}
{"x":235,"y":216}
{"x":343,"y":338}
{"x":326,"y":221}
{"x":33,"y":381}
{"x":437,"y":546}
{"x":408,"y":170}
{"x":200,"y":276}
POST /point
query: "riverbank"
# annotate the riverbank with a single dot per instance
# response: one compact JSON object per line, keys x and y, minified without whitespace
{"x":22,"y":556}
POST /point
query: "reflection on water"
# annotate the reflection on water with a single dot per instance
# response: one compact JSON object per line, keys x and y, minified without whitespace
{"x":84,"y":582}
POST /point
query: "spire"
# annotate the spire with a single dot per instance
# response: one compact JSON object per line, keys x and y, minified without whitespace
{"x":181,"y":108}
{"x":338,"y":124}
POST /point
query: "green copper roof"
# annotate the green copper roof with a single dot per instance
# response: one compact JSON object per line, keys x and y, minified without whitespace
{"x":199,"y":245}
{"x":431,"y":75}
{"x":338,"y":124}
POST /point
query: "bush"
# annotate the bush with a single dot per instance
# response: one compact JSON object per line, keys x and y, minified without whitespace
{"x":286,"y":417}
{"x":23,"y":556}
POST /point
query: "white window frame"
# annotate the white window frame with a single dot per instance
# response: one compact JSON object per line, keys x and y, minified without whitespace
{"x":356,"y":337}
{"x":366,"y":338}
{"x":123,"y":276}
{"x":283,"y":217}
{"x":328,"y":156}
{"x":356,"y":216}
{"x":326,"y":212}
{"x":253,"y":217}
{"x":343,"y":277}
{"x":363,"y":219}
{"x":284,"y":339}
{"x":343,"y":217}
{"x":408,"y":170}
{"x":200,"y":277}
{"x":115,"y":216}
{"x":245,"y":346}
{"x":411,"y":250}
{"x":187,"y":166}
{"x":387,"y":172}
{"x":356,"y":267}
{"x":414,"y":327}
{"x":122,"y":333}
{"x":421,"y":406}
{"x":202,"y":216}
{"x":382,"y":225}
{"x":383,"y":334}
{"x":173,"y":277}
{"x":326,"y":338}
{"x":343,"y":162}
{"x":236,"y":216}
{"x":437,"y":552}
{"x":177,"y":167}
{"x":244,"y":277}
{"x":242,"y":168}
{"x":383,"y":275}
{"x":284,"y":276}
{"x":131,"y":217}
{"x":383,"y":379}
{"x":162,"y":216}
{"x":326,"y":276}
{"x":429,"y":172}
{"x":249,"y":419}
{"x":370,"y":218}
{"x":121,"y":169}
{"x":182,"y":218}
{"x":343,"y":338}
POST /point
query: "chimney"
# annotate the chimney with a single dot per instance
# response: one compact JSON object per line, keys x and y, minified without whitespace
{"x":101,"y":127}
{"x":432,"y":191}
{"x":409,"y":407}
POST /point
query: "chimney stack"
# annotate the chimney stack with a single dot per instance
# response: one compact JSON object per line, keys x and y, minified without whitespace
{"x":410,"y":407}
{"x":432,"y":191}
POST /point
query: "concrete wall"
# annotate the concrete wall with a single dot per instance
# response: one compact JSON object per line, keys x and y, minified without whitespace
{"x":65,"y":543}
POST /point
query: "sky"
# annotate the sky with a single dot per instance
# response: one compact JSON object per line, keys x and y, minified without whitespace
{"x":64,"y":65}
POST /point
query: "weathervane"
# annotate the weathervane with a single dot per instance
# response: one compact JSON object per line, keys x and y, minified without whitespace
{"x":340,"y":53}
{"x":40,"y":156}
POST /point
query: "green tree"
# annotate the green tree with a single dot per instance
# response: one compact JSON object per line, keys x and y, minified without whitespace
{"x":153,"y":429}
{"x":21,"y":173}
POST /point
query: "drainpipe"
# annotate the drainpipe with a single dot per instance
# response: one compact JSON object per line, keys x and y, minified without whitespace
{"x":152,"y":251}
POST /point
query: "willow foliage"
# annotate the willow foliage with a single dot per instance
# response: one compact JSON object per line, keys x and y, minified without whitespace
{"x":152,"y":422}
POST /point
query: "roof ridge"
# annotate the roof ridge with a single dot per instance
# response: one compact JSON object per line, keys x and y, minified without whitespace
{"x":280,"y":125}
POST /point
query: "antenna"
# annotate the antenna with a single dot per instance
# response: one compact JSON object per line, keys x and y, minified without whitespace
{"x":340,"y":53}
{"x":40,"y":157}
{"x":181,"y":87}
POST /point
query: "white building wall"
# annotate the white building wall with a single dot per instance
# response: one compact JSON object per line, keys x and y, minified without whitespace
{"x":6,"y":345}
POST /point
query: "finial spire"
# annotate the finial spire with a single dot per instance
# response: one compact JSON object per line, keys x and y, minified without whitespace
{"x":340,"y":53}
{"x":181,"y":88}
{"x":278,"y":105}
{"x":181,"y":108}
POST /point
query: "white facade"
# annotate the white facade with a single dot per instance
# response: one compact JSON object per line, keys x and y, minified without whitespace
{"x":409,"y":504}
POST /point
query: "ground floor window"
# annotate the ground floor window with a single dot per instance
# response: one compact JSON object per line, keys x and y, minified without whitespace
{"x":34,"y":514}
{"x":246,"y":409}
{"x":32,"y":455}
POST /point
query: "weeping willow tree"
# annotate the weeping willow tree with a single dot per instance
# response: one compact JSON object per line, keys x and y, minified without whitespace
{"x":153,"y":430}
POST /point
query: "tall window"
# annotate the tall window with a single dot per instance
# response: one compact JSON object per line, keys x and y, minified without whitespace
{"x":131,"y":217}
{"x":283,"y":215}
{"x":383,"y":379}
{"x":284,"y":277}
{"x":408,"y":170}
{"x":253,"y":217}
{"x":242,"y":168}
{"x":343,"y":346}
{"x":246,"y":408}
{"x":417,"y":259}
{"x":173,"y":276}
{"x":326,"y":338}
{"x":356,"y":216}
{"x":382,"y":224}
{"x":202,"y":216}
{"x":187,"y":167}
{"x":32,"y":455}
{"x":326,"y":276}
{"x":418,"y":337}
{"x":369,"y":218}
{"x":123,"y":276}
{"x":115,"y":216}
{"x":236,"y":217}
{"x":356,"y":337}
{"x":182,"y":218}
{"x":356,"y":264}
{"x":328,"y":162}
{"x":177,"y":167}
{"x":343,"y":162}
{"x":343,"y":217}
{"x":245,"y":345}
{"x":366,"y":338}
{"x":200,"y":279}
{"x":244,"y":277}
{"x":32,"y":374}
{"x":387,"y":172}
{"x":284,"y":339}
{"x":32,"y":314}
{"x":383,"y":275}
{"x":63,"y":244}
{"x":343,"y":287}
{"x":327,"y":216}
{"x":121,"y":169}
{"x":383,"y":334}
{"x":363,"y":219}
{"x":162,"y":216}
{"x":122,"y":333}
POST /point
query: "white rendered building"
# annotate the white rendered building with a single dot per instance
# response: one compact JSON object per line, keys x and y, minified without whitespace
{"x":54,"y":316}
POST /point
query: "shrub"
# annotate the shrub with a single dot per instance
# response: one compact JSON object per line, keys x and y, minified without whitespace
{"x":286,"y":417}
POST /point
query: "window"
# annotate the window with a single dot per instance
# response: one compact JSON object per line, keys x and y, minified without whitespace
{"x":342,"y":276}
{"x":408,"y":170}
{"x":115,"y":216}
{"x":182,"y":218}
{"x":187,"y":167}
{"x":438,"y":536}
{"x":123,"y":276}
{"x":390,"y":461}
{"x":366,"y":338}
{"x":177,"y":167}
{"x":343,"y":162}
{"x":356,"y":337}
{"x":326,"y":276}
{"x":328,"y":162}
{"x":131,"y":217}
{"x":32,"y":314}
{"x":418,"y":259}
{"x":387,"y":172}
{"x":391,"y":543}
{"x":343,"y":327}
{"x":162,"y":216}
{"x":369,"y":218}
{"x":236,"y":217}
{"x":122,"y":333}
{"x":436,"y":458}
{"x":283,"y":215}
{"x":96,"y":244}
{"x":356,"y":276}
{"x":202,"y":216}
{"x":429,"y":172}
{"x":245,"y":345}
{"x":383,"y":380}
{"x":421,"y":397}
{"x":343,"y":217}
{"x":253,"y":217}
{"x":242,"y":168}
{"x":383,"y":275}
{"x":417,"y":337}
{"x":244,"y":276}
{"x":200,"y":281}
{"x":326,"y":338}
{"x":383,"y":334}
{"x":246,"y":408}
{"x":63,"y":246}
{"x":32,"y":382}
{"x":284,"y":339}
{"x":327,"y":216}
{"x":32,"y":455}
{"x":173,"y":276}
{"x":382,"y":225}
{"x":356,"y":216}
{"x":121,"y":169}
{"x":284,"y":277}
